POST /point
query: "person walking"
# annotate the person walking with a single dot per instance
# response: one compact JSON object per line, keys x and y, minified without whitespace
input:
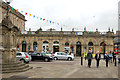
{"x":113,"y":54}
{"x":97,"y":57}
{"x":89,"y":57}
{"x":106,"y":58}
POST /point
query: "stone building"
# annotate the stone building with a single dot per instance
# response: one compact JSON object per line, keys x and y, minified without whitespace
{"x":17,"y":18}
{"x":68,"y":41}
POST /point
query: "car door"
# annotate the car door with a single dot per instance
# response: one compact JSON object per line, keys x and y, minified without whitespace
{"x":64,"y":55}
{"x":59,"y":55}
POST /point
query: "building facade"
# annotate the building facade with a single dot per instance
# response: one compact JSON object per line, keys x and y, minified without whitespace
{"x":76,"y":42}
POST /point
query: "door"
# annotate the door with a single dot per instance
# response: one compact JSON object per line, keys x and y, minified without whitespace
{"x":63,"y":55}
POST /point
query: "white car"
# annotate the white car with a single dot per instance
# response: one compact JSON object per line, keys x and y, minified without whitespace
{"x":63,"y":55}
{"x":23,"y":56}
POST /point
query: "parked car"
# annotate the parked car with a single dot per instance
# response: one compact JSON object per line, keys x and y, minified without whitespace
{"x":23,"y":56}
{"x":62,"y":55}
{"x":41,"y":56}
{"x":48,"y":54}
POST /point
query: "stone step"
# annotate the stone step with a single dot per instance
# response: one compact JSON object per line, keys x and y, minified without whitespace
{"x":20,"y":70}
{"x":14,"y":68}
{"x":13,"y":65}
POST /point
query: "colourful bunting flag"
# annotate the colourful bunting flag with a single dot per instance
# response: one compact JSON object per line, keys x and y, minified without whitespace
{"x":22,"y":11}
{"x":12,"y":9}
{"x":33,"y":16}
{"x":57,"y":23}
{"x":50,"y":21}
{"x":53,"y":22}
{"x":37,"y":17}
{"x":43,"y":19}
{"x":26,"y":13}
{"x":9,"y":10}
{"x":47,"y":20}
{"x":16,"y":10}
{"x":9,"y":7}
{"x":40,"y":18}
{"x":29,"y":14}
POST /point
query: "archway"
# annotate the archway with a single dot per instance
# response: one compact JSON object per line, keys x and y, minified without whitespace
{"x":78,"y":48}
{"x":35,"y":46}
{"x":45,"y":46}
{"x":90,"y":47}
{"x":102,"y":47}
{"x":55,"y":46}
{"x":24,"y":46}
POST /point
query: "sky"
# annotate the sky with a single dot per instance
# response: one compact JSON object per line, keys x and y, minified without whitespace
{"x":76,"y":14}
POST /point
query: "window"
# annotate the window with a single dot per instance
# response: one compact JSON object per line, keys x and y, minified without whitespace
{"x":19,"y":54}
{"x":63,"y":54}
{"x":58,"y":53}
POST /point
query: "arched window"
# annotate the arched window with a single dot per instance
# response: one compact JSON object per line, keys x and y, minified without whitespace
{"x":78,"y":43}
{"x":55,"y":42}
{"x":24,"y":46}
{"x":35,"y":46}
{"x":66,"y":44}
{"x":90,"y":44}
{"x":45,"y":42}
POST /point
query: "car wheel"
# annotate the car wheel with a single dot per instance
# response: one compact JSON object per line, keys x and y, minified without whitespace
{"x":55,"y":58}
{"x":23,"y":61}
{"x":69,"y":59}
{"x":46,"y":60}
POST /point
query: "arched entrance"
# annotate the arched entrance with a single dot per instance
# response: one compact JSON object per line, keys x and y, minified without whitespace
{"x":102,"y":47}
{"x":45,"y":46}
{"x":35,"y":46}
{"x":24,"y":46}
{"x":55,"y":46}
{"x":78,"y":48}
{"x":67,"y":48}
{"x":90,"y":47}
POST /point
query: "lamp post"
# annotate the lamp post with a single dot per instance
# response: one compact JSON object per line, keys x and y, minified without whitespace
{"x":8,"y":2}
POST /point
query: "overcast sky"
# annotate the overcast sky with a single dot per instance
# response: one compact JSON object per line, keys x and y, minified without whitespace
{"x":77,"y":14}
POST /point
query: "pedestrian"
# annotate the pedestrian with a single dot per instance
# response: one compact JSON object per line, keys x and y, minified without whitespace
{"x":97,"y":57}
{"x":89,"y":57}
{"x":110,"y":56}
{"x":106,"y":58}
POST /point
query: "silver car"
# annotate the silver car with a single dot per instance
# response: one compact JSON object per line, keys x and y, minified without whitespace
{"x":23,"y":56}
{"x":62,"y":55}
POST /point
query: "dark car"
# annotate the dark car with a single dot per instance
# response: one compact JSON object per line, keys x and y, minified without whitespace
{"x":40,"y":56}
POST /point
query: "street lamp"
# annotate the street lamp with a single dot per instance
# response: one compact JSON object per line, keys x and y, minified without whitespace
{"x":8,"y":2}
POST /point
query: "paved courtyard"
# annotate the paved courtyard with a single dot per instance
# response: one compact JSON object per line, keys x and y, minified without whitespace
{"x":66,"y":69}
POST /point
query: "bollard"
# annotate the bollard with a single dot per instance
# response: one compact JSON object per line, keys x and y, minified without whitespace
{"x":81,"y":60}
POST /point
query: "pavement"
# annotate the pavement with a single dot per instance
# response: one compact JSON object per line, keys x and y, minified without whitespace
{"x":67,"y":69}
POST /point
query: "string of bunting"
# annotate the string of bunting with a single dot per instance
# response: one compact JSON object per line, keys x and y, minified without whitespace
{"x":34,"y":16}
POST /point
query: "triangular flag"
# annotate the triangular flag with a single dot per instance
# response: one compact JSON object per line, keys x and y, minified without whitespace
{"x":22,"y":11}
{"x":16,"y":10}
{"x":12,"y":9}
{"x":43,"y":19}
{"x":33,"y":16}
{"x":53,"y":22}
{"x":40,"y":18}
{"x":29,"y":14}
{"x":47,"y":20}
{"x":50,"y":21}
{"x":57,"y":23}
{"x":26,"y":13}
{"x":37,"y":17}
